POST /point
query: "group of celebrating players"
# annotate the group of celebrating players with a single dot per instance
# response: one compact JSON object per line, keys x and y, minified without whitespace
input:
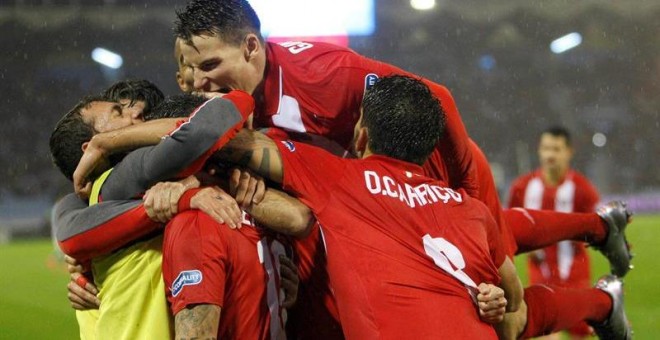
{"x":300,"y":190}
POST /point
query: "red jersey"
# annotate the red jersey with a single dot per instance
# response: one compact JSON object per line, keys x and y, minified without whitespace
{"x":488,"y":195}
{"x":402,"y":249}
{"x":318,"y":88}
{"x":205,"y":262}
{"x":567,"y":262}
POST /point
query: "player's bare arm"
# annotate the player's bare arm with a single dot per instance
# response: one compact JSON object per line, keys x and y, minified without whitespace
{"x":283,"y":213}
{"x":513,"y":290}
{"x":256,"y":151}
{"x":197,"y":322}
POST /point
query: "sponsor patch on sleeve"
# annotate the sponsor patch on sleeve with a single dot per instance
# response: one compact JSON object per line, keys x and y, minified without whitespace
{"x":289,"y":145}
{"x":369,"y":80}
{"x":186,"y":278}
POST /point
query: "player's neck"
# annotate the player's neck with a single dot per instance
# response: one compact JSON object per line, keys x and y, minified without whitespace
{"x":554,"y":177}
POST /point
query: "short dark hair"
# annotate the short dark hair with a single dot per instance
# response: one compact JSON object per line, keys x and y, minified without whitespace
{"x":230,"y":19}
{"x":133,"y":90}
{"x":559,"y":131}
{"x":177,"y":106}
{"x":403,"y":118}
{"x":69,"y":134}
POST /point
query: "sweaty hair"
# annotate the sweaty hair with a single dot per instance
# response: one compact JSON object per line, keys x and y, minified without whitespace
{"x":403,"y":118}
{"x":134,"y":90}
{"x":69,"y":135}
{"x":177,"y":106}
{"x":230,"y":19}
{"x":559,"y":131}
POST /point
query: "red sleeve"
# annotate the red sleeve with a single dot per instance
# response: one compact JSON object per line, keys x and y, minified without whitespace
{"x":454,"y":148}
{"x":110,"y":235}
{"x":195,"y":260}
{"x":517,"y":193}
{"x":245,"y":105}
{"x":309,"y":172}
{"x":495,"y":245}
{"x":100,"y":237}
{"x":587,"y":195}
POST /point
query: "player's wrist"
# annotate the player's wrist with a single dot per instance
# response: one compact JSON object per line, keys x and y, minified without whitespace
{"x":186,"y":200}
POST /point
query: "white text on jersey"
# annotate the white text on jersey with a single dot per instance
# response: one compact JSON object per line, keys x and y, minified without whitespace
{"x":420,"y":195}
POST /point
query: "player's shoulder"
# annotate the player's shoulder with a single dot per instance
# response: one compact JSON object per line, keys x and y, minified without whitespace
{"x":579,"y":177}
{"x":582,"y":182}
{"x":307,"y":51}
{"x":521,"y":181}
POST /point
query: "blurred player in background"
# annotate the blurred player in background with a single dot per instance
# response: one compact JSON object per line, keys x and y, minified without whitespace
{"x":555,"y":186}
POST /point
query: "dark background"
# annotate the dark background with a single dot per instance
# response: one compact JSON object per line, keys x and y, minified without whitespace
{"x":493,"y":55}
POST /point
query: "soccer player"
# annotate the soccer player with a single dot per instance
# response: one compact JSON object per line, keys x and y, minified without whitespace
{"x":240,"y":263}
{"x":434,"y":287}
{"x":555,"y":186}
{"x":317,"y":88}
{"x":184,"y":73}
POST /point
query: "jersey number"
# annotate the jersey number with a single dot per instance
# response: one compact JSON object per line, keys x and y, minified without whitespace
{"x":269,"y":256}
{"x":296,"y":47}
{"x":448,"y":257}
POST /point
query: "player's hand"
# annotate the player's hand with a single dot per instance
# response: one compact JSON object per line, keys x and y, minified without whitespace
{"x":290,"y":281}
{"x":246,"y":187}
{"x":492,"y":304}
{"x":82,"y":293}
{"x":93,"y":160}
{"x":161,"y":201}
{"x":219,"y":205}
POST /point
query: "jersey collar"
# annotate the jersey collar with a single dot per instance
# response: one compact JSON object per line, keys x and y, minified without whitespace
{"x":403,"y":165}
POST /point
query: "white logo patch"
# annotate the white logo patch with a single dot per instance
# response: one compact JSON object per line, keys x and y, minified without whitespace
{"x":186,"y":278}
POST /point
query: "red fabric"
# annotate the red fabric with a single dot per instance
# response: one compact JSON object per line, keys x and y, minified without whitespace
{"x":245,"y":105}
{"x":233,"y":276}
{"x":536,"y":229}
{"x":318,"y":88}
{"x":551,"y":309}
{"x":110,"y":235}
{"x":567,"y":263}
{"x":384,"y":281}
{"x":184,"y":200}
{"x":314,"y":316}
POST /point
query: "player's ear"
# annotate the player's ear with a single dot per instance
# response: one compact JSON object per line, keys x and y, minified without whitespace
{"x":84,"y":146}
{"x":252,"y":46}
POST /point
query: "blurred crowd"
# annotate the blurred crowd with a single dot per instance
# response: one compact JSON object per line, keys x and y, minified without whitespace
{"x":508,"y":85}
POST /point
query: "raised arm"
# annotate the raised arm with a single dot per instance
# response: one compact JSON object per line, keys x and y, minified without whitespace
{"x":256,"y":151}
{"x":184,"y":151}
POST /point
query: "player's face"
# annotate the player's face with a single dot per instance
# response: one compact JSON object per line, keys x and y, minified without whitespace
{"x":106,"y":116}
{"x":134,"y":111}
{"x":184,"y":75}
{"x":554,"y":153}
{"x":218,"y":66}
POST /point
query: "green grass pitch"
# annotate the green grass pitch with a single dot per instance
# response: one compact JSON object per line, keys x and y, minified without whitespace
{"x":33,"y":302}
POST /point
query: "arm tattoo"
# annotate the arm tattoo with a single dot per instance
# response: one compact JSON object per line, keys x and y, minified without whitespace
{"x":256,"y":151}
{"x":197,"y":322}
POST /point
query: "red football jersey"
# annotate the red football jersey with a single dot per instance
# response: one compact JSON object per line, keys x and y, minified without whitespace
{"x":402,"y":248}
{"x":317,"y":88}
{"x":567,"y":262}
{"x":205,"y":262}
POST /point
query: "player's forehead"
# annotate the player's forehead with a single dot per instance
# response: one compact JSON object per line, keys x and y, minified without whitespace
{"x":552,"y":140}
{"x":97,"y":113}
{"x":204,"y":47}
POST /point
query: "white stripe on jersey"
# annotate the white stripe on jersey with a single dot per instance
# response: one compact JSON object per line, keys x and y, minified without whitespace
{"x":564,"y":202}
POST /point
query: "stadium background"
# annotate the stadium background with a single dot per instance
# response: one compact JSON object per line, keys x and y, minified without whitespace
{"x":495,"y":56}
